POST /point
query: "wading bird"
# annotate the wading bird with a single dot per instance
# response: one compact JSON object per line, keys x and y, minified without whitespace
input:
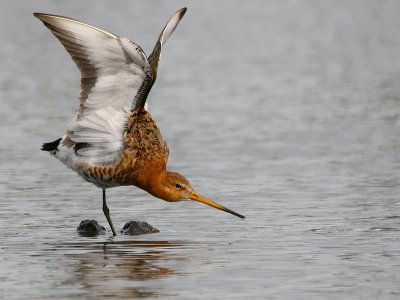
{"x":113,"y":140}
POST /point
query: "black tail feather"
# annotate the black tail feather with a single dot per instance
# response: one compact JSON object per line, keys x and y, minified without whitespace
{"x":51,"y":146}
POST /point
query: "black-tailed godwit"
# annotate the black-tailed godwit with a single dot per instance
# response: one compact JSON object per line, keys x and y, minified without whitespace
{"x":113,"y":140}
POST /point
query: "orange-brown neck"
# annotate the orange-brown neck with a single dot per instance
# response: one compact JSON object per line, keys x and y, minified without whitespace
{"x":163,"y":185}
{"x":152,"y":183}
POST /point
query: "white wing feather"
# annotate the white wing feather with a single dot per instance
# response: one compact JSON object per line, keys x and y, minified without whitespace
{"x":169,"y":28}
{"x":171,"y":25}
{"x":115,"y":74}
{"x":116,"y":77}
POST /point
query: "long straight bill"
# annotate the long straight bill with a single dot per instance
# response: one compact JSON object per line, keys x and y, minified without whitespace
{"x":200,"y":198}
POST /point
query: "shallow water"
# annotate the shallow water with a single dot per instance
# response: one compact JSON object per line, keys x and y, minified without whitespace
{"x":286,"y":112}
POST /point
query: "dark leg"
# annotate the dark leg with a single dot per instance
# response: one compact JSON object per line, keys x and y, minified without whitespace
{"x":107,"y":213}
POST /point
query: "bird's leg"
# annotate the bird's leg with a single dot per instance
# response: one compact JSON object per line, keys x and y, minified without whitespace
{"x":107,"y":213}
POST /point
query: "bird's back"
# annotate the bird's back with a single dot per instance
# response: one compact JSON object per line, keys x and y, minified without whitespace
{"x":144,"y":156}
{"x":144,"y":144}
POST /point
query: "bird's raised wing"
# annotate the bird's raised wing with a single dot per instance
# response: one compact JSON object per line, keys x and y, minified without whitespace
{"x":169,"y":28}
{"x":116,"y":77}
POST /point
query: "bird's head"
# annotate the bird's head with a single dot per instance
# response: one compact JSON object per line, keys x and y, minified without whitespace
{"x":175,"y":188}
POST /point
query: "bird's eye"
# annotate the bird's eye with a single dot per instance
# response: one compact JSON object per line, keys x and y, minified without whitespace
{"x":178,"y":186}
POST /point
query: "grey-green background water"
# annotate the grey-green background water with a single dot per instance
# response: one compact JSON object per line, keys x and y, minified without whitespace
{"x":285,"y":111}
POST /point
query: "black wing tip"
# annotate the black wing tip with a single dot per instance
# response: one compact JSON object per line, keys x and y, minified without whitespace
{"x":182,"y":12}
{"x":44,"y":17}
{"x":51,"y":146}
{"x":39,"y":15}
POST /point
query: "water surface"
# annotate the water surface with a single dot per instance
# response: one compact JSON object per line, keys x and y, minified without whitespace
{"x":287,"y":112}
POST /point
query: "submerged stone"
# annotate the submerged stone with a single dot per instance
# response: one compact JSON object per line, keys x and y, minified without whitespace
{"x":137,"y":227}
{"x":90,"y":228}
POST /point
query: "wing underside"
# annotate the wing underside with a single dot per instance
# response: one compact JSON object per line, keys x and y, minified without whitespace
{"x":116,"y":77}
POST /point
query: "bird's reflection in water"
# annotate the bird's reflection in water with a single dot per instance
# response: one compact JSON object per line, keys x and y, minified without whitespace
{"x":124,"y":269}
